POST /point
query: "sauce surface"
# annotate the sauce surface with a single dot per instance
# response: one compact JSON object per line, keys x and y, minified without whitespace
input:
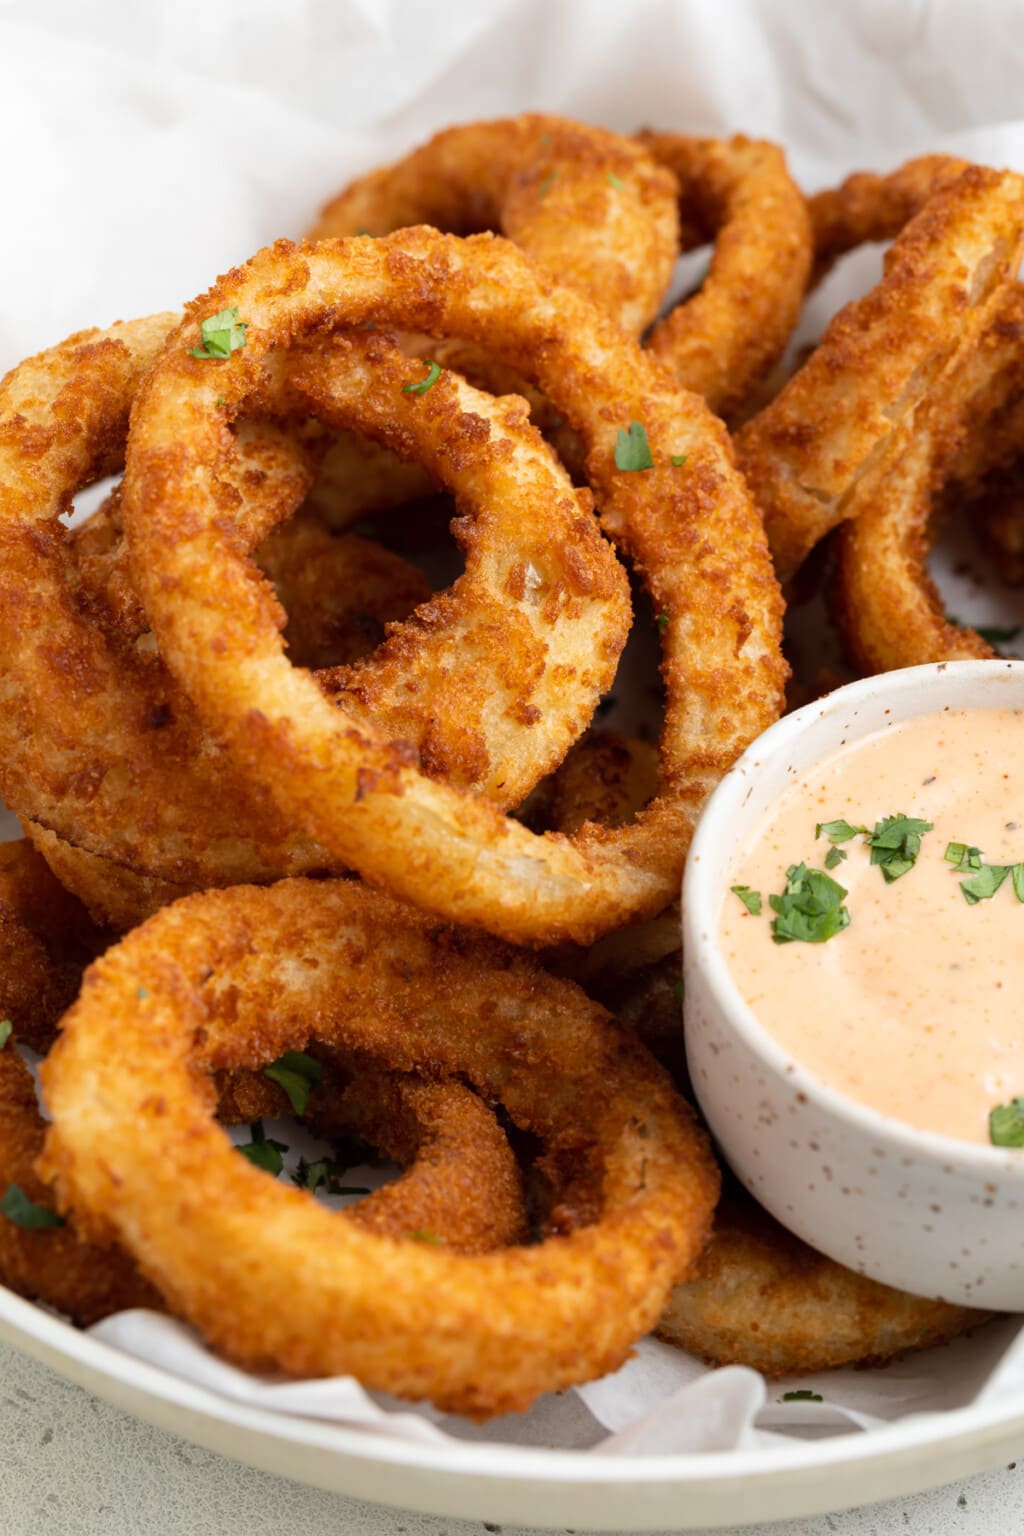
{"x":915,"y":1008}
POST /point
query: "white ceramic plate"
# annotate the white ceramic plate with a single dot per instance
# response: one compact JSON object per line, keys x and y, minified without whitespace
{"x":583,"y":1490}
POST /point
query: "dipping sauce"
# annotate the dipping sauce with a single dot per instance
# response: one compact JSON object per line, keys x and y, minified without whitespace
{"x":916,"y":1006}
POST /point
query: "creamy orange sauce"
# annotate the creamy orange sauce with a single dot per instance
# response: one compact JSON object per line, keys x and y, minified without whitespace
{"x":917,"y":1008}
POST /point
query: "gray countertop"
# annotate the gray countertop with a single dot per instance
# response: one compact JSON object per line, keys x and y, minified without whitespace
{"x":72,"y":1466}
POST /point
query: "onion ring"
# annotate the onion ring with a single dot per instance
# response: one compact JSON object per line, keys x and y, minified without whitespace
{"x":688,"y":526}
{"x":889,"y":609}
{"x":197,"y":824}
{"x":869,"y":207}
{"x":737,"y":192}
{"x":760,"y":1297}
{"x":461,"y":1184}
{"x":203,"y":984}
{"x":584,"y":203}
{"x":880,"y":357}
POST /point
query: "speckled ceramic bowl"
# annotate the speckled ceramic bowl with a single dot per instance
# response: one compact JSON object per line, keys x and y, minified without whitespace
{"x":919,"y":1211}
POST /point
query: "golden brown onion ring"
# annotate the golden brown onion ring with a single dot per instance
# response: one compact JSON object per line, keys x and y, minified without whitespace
{"x":869,"y":207}
{"x":881,"y":357}
{"x":760,"y":1297}
{"x":264,"y":1272}
{"x":891,"y":612}
{"x":461,"y":1183}
{"x":589,"y":206}
{"x":688,"y":526}
{"x":737,"y":193}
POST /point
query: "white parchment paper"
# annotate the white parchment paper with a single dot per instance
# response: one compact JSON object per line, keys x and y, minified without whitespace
{"x":150,"y":146}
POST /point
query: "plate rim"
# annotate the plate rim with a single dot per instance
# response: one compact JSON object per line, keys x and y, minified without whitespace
{"x":25,"y":1320}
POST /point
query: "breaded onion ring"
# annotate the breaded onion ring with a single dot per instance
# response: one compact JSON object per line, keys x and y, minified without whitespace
{"x":737,"y":193}
{"x":869,"y":206}
{"x":591,"y":207}
{"x":46,"y":940}
{"x":123,"y":769}
{"x":461,"y":1183}
{"x":686,"y":522}
{"x":760,"y":1297}
{"x":269,"y":1277}
{"x":880,"y":357}
{"x":891,"y":612}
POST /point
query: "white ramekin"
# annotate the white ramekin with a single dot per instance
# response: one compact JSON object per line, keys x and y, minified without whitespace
{"x":918,"y":1211}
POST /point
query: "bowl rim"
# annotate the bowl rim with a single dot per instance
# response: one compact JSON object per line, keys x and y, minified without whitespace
{"x":700,"y":895}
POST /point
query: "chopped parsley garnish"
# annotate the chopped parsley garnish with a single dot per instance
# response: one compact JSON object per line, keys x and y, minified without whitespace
{"x":803,"y":1396}
{"x":895,"y":844}
{"x":661,"y":619}
{"x":6,"y":1031}
{"x":616,"y":182}
{"x":810,"y":908}
{"x":546,"y":185}
{"x":298,"y":1074}
{"x":262,"y":1151}
{"x":632,"y":450}
{"x":1006,"y":1124}
{"x":24,"y":1213}
{"x":838,"y":831}
{"x":423,"y":1236}
{"x":324,"y":1174}
{"x":677,"y":989}
{"x":750,"y":899}
{"x":678,"y":460}
{"x":985,"y":878}
{"x":222,"y":334}
{"x":985,"y":883}
{"x":963,"y":856}
{"x":835,"y":857}
{"x":142,"y":993}
{"x":433,"y":374}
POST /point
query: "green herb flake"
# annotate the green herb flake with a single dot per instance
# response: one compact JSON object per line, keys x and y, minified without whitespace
{"x":1006,"y":1124}
{"x":546,"y":185}
{"x":423,"y":1236}
{"x":262,"y":1152}
{"x":616,"y":182}
{"x":142,"y":993}
{"x":679,"y":459}
{"x":750,"y":899}
{"x":6,"y":1031}
{"x":677,"y":990}
{"x":222,"y":334}
{"x":985,"y":883}
{"x":298,"y":1074}
{"x":810,"y":909}
{"x":835,"y":857}
{"x":838,"y":831}
{"x":24,"y":1213}
{"x":632,"y":450}
{"x":661,"y":620}
{"x":963,"y":856}
{"x":895,"y":844}
{"x":803,"y":1396}
{"x":1017,"y":876}
{"x":433,"y":374}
